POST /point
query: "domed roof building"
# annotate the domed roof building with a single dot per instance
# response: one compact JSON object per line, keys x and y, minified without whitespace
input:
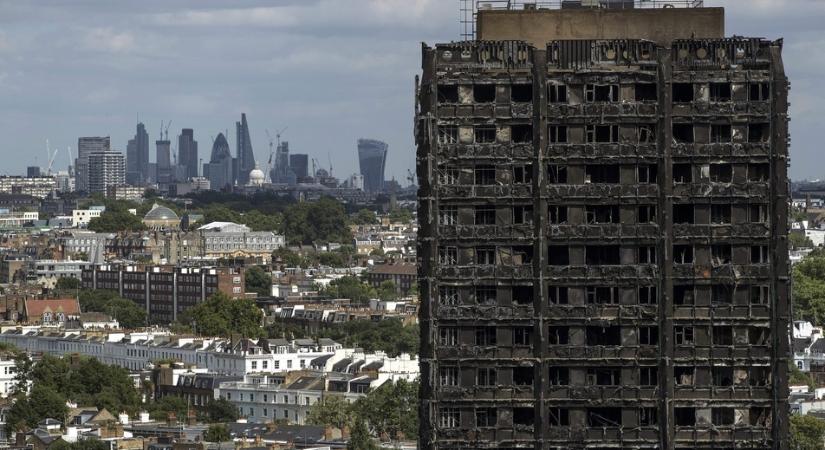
{"x":161,"y":218}
{"x":256,"y":177}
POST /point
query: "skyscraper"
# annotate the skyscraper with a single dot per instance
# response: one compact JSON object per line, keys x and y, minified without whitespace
{"x":372,"y":156}
{"x":188,"y":152}
{"x":603,"y":233}
{"x":164,"y":161}
{"x":219,"y":168}
{"x":137,"y":157}
{"x":106,"y":168}
{"x":299,"y":164}
{"x":281,"y":173}
{"x":246,"y":157}
{"x":85,"y":147}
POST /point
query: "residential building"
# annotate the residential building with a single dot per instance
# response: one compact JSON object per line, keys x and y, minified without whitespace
{"x":402,"y":275}
{"x":85,"y":147}
{"x":46,"y":272}
{"x":14,"y":220}
{"x":125,"y":192}
{"x":51,"y":312}
{"x":82,"y":217}
{"x":372,"y":157}
{"x":231,"y":240}
{"x":39,"y":186}
{"x":106,"y":168}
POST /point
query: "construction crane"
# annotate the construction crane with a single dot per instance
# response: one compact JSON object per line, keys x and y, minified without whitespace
{"x":166,"y":130}
{"x":51,"y":155}
{"x":410,"y":177}
{"x":269,"y":164}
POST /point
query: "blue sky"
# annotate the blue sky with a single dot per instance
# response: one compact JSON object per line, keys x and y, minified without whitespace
{"x":330,"y":70}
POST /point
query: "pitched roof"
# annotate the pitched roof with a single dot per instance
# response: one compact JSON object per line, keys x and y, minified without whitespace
{"x":395,"y":269}
{"x":68,"y":306}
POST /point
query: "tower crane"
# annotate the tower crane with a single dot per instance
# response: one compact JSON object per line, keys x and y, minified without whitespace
{"x":410,"y":177}
{"x":166,"y":130}
{"x":269,"y":164}
{"x":51,"y":157}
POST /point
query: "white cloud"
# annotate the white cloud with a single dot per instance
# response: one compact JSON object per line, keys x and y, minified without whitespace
{"x":109,"y":40}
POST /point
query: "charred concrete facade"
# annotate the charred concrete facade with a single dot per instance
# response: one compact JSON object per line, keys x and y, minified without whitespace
{"x":603,"y":242}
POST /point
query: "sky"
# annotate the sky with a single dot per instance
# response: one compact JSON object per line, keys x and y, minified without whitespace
{"x":326,"y":72}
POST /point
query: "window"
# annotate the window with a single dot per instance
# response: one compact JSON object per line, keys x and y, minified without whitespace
{"x":523,"y":214}
{"x":556,"y":214}
{"x":485,"y":175}
{"x":521,"y":93}
{"x":485,"y":256}
{"x":602,"y":255}
{"x":682,"y":92}
{"x":447,"y":134}
{"x":557,"y":93}
{"x":646,"y":214}
{"x":682,"y":133}
{"x":523,"y":376}
{"x":601,"y":134}
{"x":719,"y":214}
{"x":484,"y":134}
{"x":682,"y":173}
{"x":649,"y":376}
{"x":522,"y":255}
{"x":722,"y":416}
{"x":759,"y":254}
{"x":720,"y":92}
{"x":486,"y":376}
{"x":601,"y":173}
{"x":646,"y":134}
{"x":760,"y":92}
{"x":601,"y":93}
{"x":557,"y":134}
{"x":521,"y":134}
{"x":758,"y":213}
{"x":484,"y":93}
{"x":759,"y":172}
{"x":602,"y":214}
{"x":683,"y":254}
{"x":556,"y":174}
{"x":683,"y":335}
{"x":557,"y":295}
{"x":683,"y":294}
{"x":648,"y":416}
{"x":646,"y":254}
{"x":759,"y":132}
{"x":603,"y":335}
{"x":448,"y":93}
{"x":683,"y":376}
{"x":721,"y":173}
{"x":522,"y":295}
{"x":486,"y":417}
{"x":722,"y":335}
{"x":448,"y":418}
{"x":448,"y":215}
{"x":447,"y":176}
{"x":448,"y":295}
{"x":485,"y":295}
{"x":647,"y":295}
{"x":604,"y":417}
{"x":448,"y":376}
{"x":523,"y":174}
{"x":558,"y":417}
{"x":649,"y":335}
{"x":604,"y":376}
{"x":485,"y":215}
{"x":722,"y":376}
{"x":558,"y":376}
{"x":558,"y":255}
{"x":447,"y":336}
{"x":684,"y":417}
{"x":602,"y":295}
{"x":524,"y":417}
{"x":447,"y":256}
{"x":720,"y":254}
{"x":720,"y":134}
{"x":486,"y":336}
{"x":558,"y":336}
{"x":760,"y":295}
{"x":646,"y":92}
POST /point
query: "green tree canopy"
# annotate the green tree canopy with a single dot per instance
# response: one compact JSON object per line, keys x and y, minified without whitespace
{"x":809,"y":289}
{"x":807,"y":432}
{"x":160,"y":409}
{"x":390,"y":336}
{"x":360,"y":438}
{"x":331,"y":411}
{"x":288,"y":257}
{"x":258,"y":281}
{"x":364,"y":217}
{"x":127,"y":313}
{"x":221,"y":315}
{"x":116,"y":218}
{"x":67,"y":284}
{"x":221,"y":410}
{"x":352,"y":288}
{"x":324,"y":220}
{"x":217,"y":433}
{"x":387,"y":291}
{"x":391,"y":409}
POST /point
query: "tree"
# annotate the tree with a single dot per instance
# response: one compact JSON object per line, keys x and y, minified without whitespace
{"x":217,"y":433}
{"x":221,"y":315}
{"x":391,"y":409}
{"x":259,"y":281}
{"x":807,"y":432}
{"x":401,"y":215}
{"x":364,"y":217}
{"x":43,"y":402}
{"x":352,"y":288}
{"x":360,"y":438}
{"x":221,"y":410}
{"x":809,"y":289}
{"x":125,"y":311}
{"x":331,"y":411}
{"x":390,"y":336}
{"x":387,"y":291}
{"x":324,"y":220}
{"x":799,"y":240}
{"x":116,"y":218}
{"x":160,"y":409}
{"x":288,"y":257}
{"x":67,"y":284}
{"x":797,"y":377}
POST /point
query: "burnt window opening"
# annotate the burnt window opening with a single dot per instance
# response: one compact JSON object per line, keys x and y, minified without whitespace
{"x":682,"y":173}
{"x":522,"y":214}
{"x":721,"y":173}
{"x":484,"y":93}
{"x":646,"y":214}
{"x":485,"y":256}
{"x":558,"y":336}
{"x":524,"y":417}
{"x":683,"y":376}
{"x":523,"y":174}
{"x":485,"y":175}
{"x":604,"y":417}
{"x":603,"y":335}
{"x":759,"y":376}
{"x":558,"y":255}
{"x":722,"y":416}
{"x":557,"y":134}
{"x":484,"y":134}
{"x":760,"y":417}
{"x":683,"y":254}
{"x":649,"y":335}
{"x":521,"y":93}
{"x":722,"y":335}
{"x":521,"y":134}
{"x":760,"y":172}
{"x":447,"y":134}
{"x":448,"y":376}
{"x":447,"y":93}
{"x":598,"y":255}
{"x":486,"y":376}
{"x":522,"y":295}
{"x":486,"y":336}
{"x":720,"y":134}
{"x":447,"y":256}
{"x":558,"y":417}
{"x":556,"y":214}
{"x":486,"y":295}
{"x":447,"y":175}
{"x":485,"y":215}
{"x":682,"y":92}
{"x":647,"y":92}
{"x":760,"y":295}
{"x":759,"y":336}
{"x":447,"y":336}
{"x":759,"y":132}
{"x":486,"y":417}
{"x":601,"y":134}
{"x":646,"y":254}
{"x":602,"y":214}
{"x":557,"y":295}
{"x":448,"y":215}
{"x":557,"y":93}
{"x":647,"y":295}
{"x":684,"y":416}
{"x":604,"y":376}
{"x":601,"y":173}
{"x":758,"y":213}
{"x":601,"y":93}
{"x":646,"y":173}
{"x":449,"y":418}
{"x":720,"y":254}
{"x":647,"y":134}
{"x":648,"y":416}
{"x":682,"y":133}
{"x":683,"y":294}
{"x":760,"y":92}
{"x":720,"y":92}
{"x":522,"y":255}
{"x":720,"y":214}
{"x":602,"y":295}
{"x":523,"y":336}
{"x":683,"y":335}
{"x":722,"y":376}
{"x":523,"y":376}
{"x":721,"y":294}
{"x":649,"y":376}
{"x":558,"y":376}
{"x":759,"y":254}
{"x":556,"y":174}
{"x":448,"y":295}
